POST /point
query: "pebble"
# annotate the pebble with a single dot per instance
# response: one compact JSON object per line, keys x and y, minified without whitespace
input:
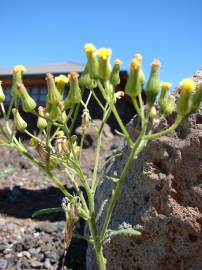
{"x":33,"y":251}
{"x":3,"y":246}
{"x":47,"y":264}
{"x":48,"y":228}
{"x":2,"y":223}
{"x":26,"y":254}
{"x":36,"y":264}
{"x":3,"y":264}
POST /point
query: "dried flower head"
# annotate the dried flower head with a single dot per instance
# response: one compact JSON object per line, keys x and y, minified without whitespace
{"x":119,"y":94}
{"x":62,"y":147}
{"x":85,"y":119}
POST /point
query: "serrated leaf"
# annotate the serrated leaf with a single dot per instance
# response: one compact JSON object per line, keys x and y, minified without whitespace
{"x":100,"y":211}
{"x":128,"y":232}
{"x":47,"y":211}
{"x":83,"y":237}
{"x":113,"y":179}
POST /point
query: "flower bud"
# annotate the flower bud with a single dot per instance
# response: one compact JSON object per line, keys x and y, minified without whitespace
{"x":54,"y":113}
{"x":104,"y":66}
{"x":41,"y":122}
{"x":163,"y":99}
{"x":153,"y":113}
{"x":2,"y":96}
{"x":196,"y":98}
{"x":115,"y":76}
{"x":62,"y":117}
{"x":187,"y":86}
{"x":169,"y":108}
{"x":18,"y":72}
{"x":90,"y":51}
{"x":86,"y":81}
{"x":28,"y":103}
{"x":54,"y":96}
{"x":61,"y":81}
{"x":138,"y":56}
{"x":153,"y":85}
{"x":133,"y":85}
{"x":74,"y":94}
{"x":19,"y":123}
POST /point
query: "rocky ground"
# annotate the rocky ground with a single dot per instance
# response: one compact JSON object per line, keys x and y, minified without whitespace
{"x":27,"y":243}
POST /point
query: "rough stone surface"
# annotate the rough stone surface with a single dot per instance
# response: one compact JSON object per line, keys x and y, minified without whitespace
{"x":162,"y":196}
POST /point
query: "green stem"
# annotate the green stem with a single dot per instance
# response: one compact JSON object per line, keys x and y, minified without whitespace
{"x":177,"y":122}
{"x":10,"y":108}
{"x":98,"y":248}
{"x":133,"y":154}
{"x":134,"y":101}
{"x":76,"y":113}
{"x":98,"y":101}
{"x":81,"y":143}
{"x":69,"y":115}
{"x":121,"y":125}
{"x":141,"y":104}
{"x":31,"y":135}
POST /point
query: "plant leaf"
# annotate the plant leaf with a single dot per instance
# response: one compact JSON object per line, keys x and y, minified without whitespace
{"x":83,"y":237}
{"x":128,"y":232}
{"x":47,"y":211}
{"x":100,"y":211}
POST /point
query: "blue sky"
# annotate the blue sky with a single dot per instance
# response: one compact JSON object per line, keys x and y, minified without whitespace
{"x":41,"y":31}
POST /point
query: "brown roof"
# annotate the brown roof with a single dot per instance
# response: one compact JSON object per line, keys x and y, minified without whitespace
{"x":55,"y":68}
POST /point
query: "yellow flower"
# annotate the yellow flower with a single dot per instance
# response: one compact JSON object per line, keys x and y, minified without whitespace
{"x":19,"y":68}
{"x":104,"y":53}
{"x":165,"y":85}
{"x":104,"y":66}
{"x":117,"y":62}
{"x":135,"y":64}
{"x":89,"y":48}
{"x":61,"y":79}
{"x":187,"y":86}
{"x":138,"y":56}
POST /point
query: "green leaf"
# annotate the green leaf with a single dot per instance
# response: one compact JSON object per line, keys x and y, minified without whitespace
{"x":83,"y":237}
{"x":128,"y":232}
{"x":100,"y":211}
{"x":113,"y":179}
{"x":47,"y":211}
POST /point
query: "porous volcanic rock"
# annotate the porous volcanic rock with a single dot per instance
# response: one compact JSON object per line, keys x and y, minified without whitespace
{"x":162,"y":196}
